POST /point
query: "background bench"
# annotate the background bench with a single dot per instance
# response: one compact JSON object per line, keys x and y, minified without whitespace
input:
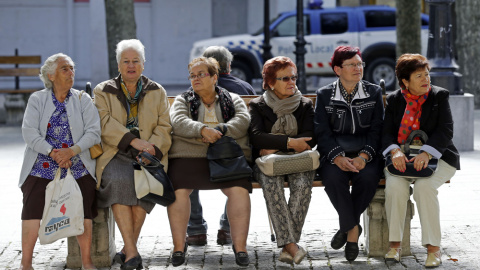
{"x":15,"y":100}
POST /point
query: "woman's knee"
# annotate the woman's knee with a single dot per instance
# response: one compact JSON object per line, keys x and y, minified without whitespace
{"x":235,"y":192}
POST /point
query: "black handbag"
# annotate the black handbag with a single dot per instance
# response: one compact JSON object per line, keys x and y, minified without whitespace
{"x":155,"y":169}
{"x":411,"y":148}
{"x":226,"y":160}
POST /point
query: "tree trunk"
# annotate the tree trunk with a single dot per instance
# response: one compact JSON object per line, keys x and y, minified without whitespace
{"x":468,"y":38}
{"x":408,"y":27}
{"x":120,"y":25}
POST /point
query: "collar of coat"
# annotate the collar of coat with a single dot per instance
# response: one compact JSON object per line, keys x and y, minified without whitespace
{"x":113,"y":87}
{"x":337,"y":95}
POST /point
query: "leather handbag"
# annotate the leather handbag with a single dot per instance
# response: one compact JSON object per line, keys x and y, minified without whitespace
{"x":282,"y":163}
{"x":411,"y":148}
{"x":151,"y":182}
{"x":226,"y":160}
{"x":96,"y":150}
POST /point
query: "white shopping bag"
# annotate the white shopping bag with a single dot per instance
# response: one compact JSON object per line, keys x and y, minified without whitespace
{"x":63,"y":212}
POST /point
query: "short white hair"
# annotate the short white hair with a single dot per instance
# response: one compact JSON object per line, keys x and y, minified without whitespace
{"x":50,"y":66}
{"x":134,"y":44}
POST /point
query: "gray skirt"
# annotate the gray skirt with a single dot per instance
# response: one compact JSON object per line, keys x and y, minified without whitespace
{"x":118,"y":185}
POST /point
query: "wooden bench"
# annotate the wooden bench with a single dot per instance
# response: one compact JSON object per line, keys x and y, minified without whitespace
{"x":15,"y":100}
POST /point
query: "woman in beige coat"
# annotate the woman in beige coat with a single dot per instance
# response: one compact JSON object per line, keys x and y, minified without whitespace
{"x":134,"y":114}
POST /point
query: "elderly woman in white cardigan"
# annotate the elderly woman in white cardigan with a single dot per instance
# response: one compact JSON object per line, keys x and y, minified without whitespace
{"x":60,"y":124}
{"x":194,"y":116}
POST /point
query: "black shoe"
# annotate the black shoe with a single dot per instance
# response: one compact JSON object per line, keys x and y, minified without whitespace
{"x":197,"y":240}
{"x":223,"y":237}
{"x":351,"y":249}
{"x":133,"y":263}
{"x":119,"y":258}
{"x":241,"y":258}
{"x":339,"y":240}
{"x":178,"y":257}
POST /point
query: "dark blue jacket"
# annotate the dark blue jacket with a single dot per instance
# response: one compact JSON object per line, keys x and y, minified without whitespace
{"x":336,"y":120}
{"x":235,"y":85}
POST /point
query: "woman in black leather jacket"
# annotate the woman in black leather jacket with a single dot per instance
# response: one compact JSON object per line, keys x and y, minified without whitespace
{"x":348,"y":123}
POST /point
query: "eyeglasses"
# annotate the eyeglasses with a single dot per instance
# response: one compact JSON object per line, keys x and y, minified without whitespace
{"x":200,"y":76}
{"x":358,"y":65}
{"x":288,"y":78}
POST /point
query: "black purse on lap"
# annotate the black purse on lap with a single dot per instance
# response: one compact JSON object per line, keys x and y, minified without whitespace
{"x":226,"y":160}
{"x":411,"y":149}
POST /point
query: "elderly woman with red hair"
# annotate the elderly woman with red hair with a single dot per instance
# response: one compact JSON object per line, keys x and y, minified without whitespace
{"x":282,"y":120}
{"x":348,"y":124}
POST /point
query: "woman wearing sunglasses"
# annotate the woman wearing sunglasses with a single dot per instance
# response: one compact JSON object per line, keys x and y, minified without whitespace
{"x":282,"y":120}
{"x":348,"y":123}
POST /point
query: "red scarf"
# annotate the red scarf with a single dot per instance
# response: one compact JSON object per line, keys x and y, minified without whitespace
{"x":412,"y":114}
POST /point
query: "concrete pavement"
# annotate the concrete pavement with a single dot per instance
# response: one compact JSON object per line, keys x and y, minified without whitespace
{"x":460,"y":214}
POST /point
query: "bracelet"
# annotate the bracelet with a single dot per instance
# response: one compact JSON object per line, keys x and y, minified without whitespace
{"x":288,"y":142}
{"x":429,"y":155}
{"x":364,"y":159}
{"x":395,"y":150}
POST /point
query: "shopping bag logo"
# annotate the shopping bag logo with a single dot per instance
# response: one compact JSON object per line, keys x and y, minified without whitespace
{"x":57,"y":223}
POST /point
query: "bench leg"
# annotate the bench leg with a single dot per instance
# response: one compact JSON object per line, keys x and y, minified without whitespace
{"x":103,"y":242}
{"x":15,"y":107}
{"x":376,"y":227}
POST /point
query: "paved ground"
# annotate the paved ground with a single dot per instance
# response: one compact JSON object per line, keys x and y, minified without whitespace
{"x":460,"y":204}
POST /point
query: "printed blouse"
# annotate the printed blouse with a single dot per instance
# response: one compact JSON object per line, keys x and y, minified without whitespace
{"x":58,"y":136}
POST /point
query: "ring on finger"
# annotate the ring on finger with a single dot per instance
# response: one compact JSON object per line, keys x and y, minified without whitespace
{"x":422,"y":161}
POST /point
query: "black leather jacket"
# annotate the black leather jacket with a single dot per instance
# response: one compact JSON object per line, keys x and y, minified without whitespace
{"x":336,"y":120}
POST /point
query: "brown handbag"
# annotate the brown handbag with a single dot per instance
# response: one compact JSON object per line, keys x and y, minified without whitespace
{"x":96,"y":150}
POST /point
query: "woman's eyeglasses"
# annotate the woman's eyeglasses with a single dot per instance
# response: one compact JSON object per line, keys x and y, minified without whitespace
{"x":288,"y":78}
{"x":200,"y":76}
{"x":358,"y":65}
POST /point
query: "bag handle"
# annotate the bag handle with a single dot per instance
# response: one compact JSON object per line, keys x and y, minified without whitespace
{"x":220,"y":127}
{"x":416,"y":133}
{"x":154,"y":162}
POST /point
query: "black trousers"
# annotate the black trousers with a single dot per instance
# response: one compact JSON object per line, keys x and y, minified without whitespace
{"x":350,"y":204}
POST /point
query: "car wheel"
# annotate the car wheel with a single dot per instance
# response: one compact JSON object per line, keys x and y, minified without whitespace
{"x":241,"y":71}
{"x":382,"y":68}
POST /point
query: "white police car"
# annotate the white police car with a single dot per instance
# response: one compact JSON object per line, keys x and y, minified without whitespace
{"x":371,"y":28}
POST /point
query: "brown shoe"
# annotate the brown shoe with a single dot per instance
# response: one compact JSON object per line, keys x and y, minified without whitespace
{"x":197,"y":240}
{"x":223,"y":237}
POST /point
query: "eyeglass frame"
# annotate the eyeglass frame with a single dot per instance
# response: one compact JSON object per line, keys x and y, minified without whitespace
{"x":358,"y":65}
{"x":286,"y":79}
{"x":200,"y":76}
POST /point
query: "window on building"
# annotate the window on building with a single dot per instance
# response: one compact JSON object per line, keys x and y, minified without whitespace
{"x":334,"y":23}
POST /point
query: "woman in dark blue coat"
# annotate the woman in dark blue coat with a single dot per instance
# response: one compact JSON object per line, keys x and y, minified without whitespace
{"x":348,"y":123}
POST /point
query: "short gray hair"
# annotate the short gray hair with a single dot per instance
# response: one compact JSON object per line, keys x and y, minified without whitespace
{"x":222,"y":55}
{"x":50,"y":66}
{"x":134,"y":44}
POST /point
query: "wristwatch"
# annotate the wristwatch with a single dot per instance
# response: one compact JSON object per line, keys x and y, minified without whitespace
{"x":429,"y":155}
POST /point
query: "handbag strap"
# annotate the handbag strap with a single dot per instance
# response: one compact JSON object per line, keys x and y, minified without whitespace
{"x":154,"y":162}
{"x":222,"y":128}
{"x":414,"y":134}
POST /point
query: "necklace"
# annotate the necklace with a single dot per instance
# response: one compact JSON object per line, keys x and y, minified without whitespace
{"x":208,"y":104}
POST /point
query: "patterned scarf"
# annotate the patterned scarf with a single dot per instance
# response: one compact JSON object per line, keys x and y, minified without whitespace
{"x":412,"y":114}
{"x":132,"y":104}
{"x":226,"y":103}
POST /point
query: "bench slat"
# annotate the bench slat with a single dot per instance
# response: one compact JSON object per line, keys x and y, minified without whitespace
{"x":19,"y":72}
{"x":17,"y":91}
{"x":32,"y":59}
